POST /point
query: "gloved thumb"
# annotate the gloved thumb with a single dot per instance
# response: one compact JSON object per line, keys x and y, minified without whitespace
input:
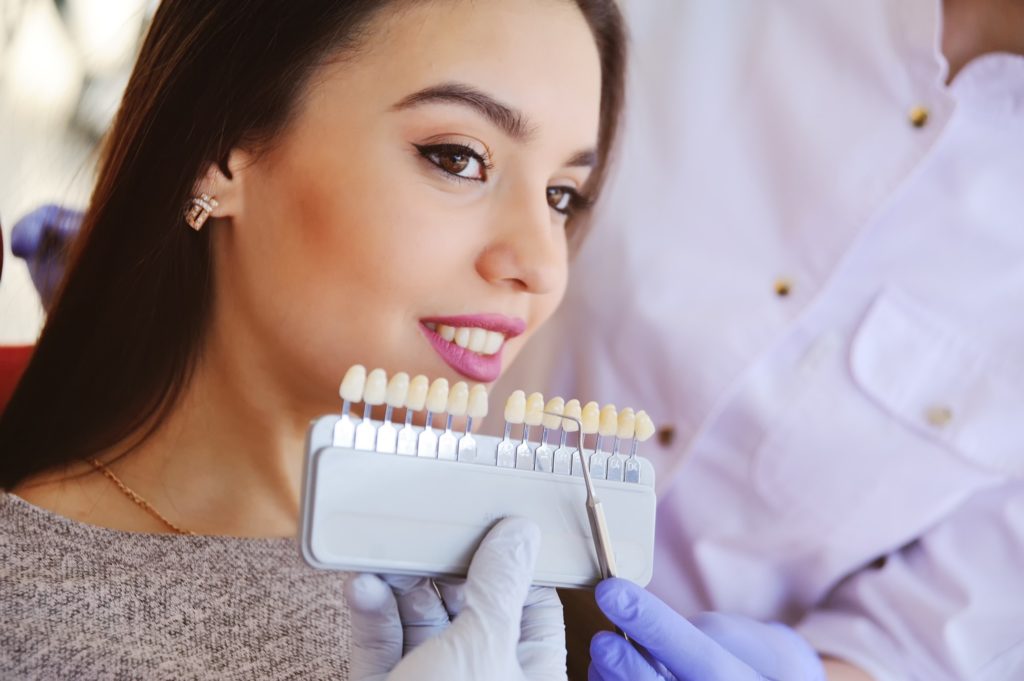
{"x":376,"y":628}
{"x":498,"y":581}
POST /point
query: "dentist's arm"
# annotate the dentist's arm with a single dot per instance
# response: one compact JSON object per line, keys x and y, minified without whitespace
{"x":492,"y":627}
{"x":713,"y":647}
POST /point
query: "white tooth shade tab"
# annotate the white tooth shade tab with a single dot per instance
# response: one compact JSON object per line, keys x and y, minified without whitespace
{"x":534,"y":409}
{"x":572,"y":410}
{"x":462,"y":337}
{"x":644,"y":426}
{"x":376,"y":387}
{"x":609,"y":422}
{"x":627,"y":424}
{"x":515,"y":407}
{"x":437,"y":396}
{"x":417,"y":397}
{"x":554,"y":406}
{"x":477,"y":340}
{"x":398,"y":390}
{"x":458,"y":399}
{"x":353,"y":383}
{"x":446,"y":332}
{"x":493,"y":343}
{"x":477,"y":401}
{"x":591,"y":417}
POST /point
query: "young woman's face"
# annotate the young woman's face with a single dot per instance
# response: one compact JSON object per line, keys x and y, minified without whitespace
{"x":413,"y":215}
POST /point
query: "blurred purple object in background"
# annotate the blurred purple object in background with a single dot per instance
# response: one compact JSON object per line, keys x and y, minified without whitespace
{"x":42,"y":239}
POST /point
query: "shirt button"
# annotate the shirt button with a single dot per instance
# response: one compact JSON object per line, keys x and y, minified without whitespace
{"x":918,"y":116}
{"x":938,"y":415}
{"x":783,"y":287}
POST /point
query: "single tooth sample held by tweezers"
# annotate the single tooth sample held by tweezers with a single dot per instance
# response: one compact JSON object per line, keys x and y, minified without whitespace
{"x":382,"y":494}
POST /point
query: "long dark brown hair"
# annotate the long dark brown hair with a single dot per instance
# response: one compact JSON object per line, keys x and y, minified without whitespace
{"x":124,"y":334}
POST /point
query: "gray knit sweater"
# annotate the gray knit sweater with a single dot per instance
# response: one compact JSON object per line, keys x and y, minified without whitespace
{"x":83,"y":602}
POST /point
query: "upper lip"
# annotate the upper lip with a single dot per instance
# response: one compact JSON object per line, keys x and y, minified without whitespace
{"x":510,"y":327}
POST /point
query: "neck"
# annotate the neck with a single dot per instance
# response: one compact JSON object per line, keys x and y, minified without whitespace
{"x":228,"y":460}
{"x":972,"y":28}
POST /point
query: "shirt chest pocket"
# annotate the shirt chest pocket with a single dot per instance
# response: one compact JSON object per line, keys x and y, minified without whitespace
{"x":933,"y":379}
{"x":891,"y":429}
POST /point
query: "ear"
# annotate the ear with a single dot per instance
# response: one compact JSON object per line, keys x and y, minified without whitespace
{"x":226,"y":183}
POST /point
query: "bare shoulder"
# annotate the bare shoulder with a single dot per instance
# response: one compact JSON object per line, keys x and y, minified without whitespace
{"x":81,"y":493}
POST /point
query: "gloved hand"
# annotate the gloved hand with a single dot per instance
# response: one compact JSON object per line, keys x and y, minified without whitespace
{"x":41,"y":238}
{"x":715,"y":647}
{"x":494,"y":626}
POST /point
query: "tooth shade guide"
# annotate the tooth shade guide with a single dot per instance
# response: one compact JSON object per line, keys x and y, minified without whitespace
{"x":352,"y":385}
{"x":478,"y":399}
{"x":375,"y":391}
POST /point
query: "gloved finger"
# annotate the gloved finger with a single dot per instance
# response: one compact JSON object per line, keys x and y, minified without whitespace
{"x":47,"y":228}
{"x":684,"y":649}
{"x":614,"y":659}
{"x":541,"y":648}
{"x":376,"y":627}
{"x":773,"y":649}
{"x":420,"y":607}
{"x":593,"y":674}
{"x":497,"y":583}
{"x":453,"y":593}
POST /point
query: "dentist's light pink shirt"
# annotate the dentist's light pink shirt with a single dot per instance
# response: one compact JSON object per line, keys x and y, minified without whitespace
{"x":875,"y":411}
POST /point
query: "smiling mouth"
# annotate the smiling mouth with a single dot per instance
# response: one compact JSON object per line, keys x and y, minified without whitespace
{"x":472,"y":344}
{"x":472,"y":338}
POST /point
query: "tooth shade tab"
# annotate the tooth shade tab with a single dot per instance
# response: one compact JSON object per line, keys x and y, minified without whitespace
{"x":534,"y":409}
{"x":556,"y":405}
{"x":352,"y":385}
{"x":591,"y":418}
{"x":477,"y":408}
{"x":609,"y":421}
{"x":644,"y":426}
{"x":627,"y":424}
{"x":398,"y":390}
{"x":515,"y":407}
{"x":376,"y":388}
{"x":417,"y":397}
{"x":458,"y":399}
{"x":572,"y":410}
{"x":437,"y":396}
{"x":446,"y":332}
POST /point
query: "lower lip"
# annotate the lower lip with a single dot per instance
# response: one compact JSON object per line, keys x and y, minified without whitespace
{"x":472,"y":365}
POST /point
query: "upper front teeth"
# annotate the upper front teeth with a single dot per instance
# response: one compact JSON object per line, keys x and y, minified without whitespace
{"x":473,"y":339}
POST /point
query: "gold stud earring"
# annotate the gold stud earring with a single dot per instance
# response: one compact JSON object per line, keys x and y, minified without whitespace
{"x":199,"y":210}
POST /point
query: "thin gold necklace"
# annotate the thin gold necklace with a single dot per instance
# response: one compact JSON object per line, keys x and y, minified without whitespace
{"x":131,"y":494}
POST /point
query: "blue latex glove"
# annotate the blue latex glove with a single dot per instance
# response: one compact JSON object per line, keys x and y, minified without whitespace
{"x":41,"y":238}
{"x":714,"y":647}
{"x":494,"y":626}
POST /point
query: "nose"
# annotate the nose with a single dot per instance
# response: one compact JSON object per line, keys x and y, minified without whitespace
{"x":528,"y":249}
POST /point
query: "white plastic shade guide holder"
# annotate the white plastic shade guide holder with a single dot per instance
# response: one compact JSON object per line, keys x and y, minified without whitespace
{"x":367,"y":511}
{"x":415,"y":400}
{"x":626,"y":427}
{"x":476,"y":408}
{"x":590,"y":418}
{"x":437,"y":401}
{"x":515,"y":413}
{"x":544,"y":454}
{"x":608,"y":425}
{"x":351,"y":391}
{"x":374,"y":394}
{"x":564,"y":454}
{"x":458,"y":404}
{"x":643,"y":431}
{"x":397,"y":392}
{"x":532,"y":416}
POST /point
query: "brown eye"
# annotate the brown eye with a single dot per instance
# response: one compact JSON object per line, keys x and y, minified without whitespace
{"x":561,"y":199}
{"x":454,"y":163}
{"x":456,"y":160}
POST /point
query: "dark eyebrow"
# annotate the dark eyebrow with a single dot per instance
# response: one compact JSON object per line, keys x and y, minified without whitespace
{"x":513,"y":122}
{"x":583,"y":159}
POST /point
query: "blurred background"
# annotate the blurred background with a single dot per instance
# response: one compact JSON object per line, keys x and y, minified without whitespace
{"x":63,"y":67}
